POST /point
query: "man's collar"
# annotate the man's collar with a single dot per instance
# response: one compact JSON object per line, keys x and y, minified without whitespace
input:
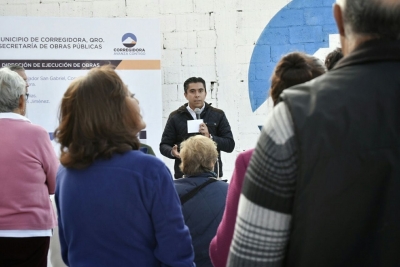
{"x":372,"y":51}
{"x":192,"y":112}
{"x":13,"y":116}
{"x":184,"y":107}
{"x":189,"y":108}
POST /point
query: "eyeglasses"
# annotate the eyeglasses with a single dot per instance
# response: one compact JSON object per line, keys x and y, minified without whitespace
{"x":26,"y":96}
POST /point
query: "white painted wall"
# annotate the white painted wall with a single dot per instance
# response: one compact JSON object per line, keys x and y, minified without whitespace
{"x":213,"y":39}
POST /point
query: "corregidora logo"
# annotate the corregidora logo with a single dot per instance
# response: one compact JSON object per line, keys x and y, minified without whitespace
{"x":129,"y":41}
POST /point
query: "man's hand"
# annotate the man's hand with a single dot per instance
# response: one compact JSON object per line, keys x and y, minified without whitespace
{"x":175,"y":152}
{"x":203,"y":129}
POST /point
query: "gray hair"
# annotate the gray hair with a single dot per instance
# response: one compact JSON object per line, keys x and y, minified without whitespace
{"x":15,"y":67}
{"x":376,"y":18}
{"x":12,"y":86}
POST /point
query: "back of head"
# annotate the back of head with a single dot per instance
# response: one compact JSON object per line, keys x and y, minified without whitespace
{"x":375,"y":18}
{"x":198,"y":155}
{"x":14,"y":67}
{"x":332,"y":58}
{"x":294,"y":68}
{"x":95,"y":120}
{"x":12,"y":86}
{"x":194,"y":80}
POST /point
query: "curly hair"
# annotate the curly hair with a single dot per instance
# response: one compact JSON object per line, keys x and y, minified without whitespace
{"x":333,"y":57}
{"x":95,"y":120}
{"x":292,"y":69}
{"x":198,"y":154}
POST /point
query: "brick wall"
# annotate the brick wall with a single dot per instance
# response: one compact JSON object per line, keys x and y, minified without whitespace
{"x":234,"y":44}
{"x":302,"y":25}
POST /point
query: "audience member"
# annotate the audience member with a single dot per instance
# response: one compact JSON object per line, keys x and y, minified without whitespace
{"x":147,"y":149}
{"x":292,"y":69}
{"x":333,"y":57}
{"x":215,"y":125}
{"x":116,"y":205}
{"x":21,"y":72}
{"x":322,"y":186}
{"x":202,"y":195}
{"x":27,"y":178}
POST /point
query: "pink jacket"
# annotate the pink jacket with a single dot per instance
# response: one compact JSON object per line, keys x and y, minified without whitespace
{"x":28,"y":167}
{"x":219,"y":247}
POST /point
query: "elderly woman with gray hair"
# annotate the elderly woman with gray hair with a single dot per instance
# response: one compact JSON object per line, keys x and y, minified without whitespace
{"x":202,"y":195}
{"x":28,"y":167}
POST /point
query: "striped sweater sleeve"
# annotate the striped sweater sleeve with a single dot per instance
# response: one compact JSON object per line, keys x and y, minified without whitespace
{"x":264,"y":213}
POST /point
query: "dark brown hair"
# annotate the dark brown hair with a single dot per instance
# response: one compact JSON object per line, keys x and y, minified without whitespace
{"x":333,"y":57}
{"x":95,"y":120}
{"x":294,"y":68}
{"x":194,"y":80}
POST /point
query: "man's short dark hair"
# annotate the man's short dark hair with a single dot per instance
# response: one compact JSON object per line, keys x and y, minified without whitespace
{"x":333,"y":57}
{"x":377,"y":18}
{"x":14,"y":67}
{"x":194,"y":80}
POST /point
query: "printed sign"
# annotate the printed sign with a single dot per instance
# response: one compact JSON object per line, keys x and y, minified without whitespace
{"x":54,"y":51}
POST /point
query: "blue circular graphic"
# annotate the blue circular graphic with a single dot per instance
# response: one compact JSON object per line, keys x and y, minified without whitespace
{"x":302,"y":25}
{"x":129,"y":40}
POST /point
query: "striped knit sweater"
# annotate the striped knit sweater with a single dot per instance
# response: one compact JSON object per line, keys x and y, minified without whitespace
{"x":263,"y":223}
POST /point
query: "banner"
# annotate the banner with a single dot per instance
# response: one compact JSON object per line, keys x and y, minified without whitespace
{"x":54,"y":51}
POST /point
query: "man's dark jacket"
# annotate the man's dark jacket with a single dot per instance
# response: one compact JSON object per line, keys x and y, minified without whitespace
{"x":175,"y":132}
{"x":347,"y":124}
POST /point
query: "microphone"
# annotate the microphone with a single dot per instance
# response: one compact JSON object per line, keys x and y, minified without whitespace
{"x":197,"y":111}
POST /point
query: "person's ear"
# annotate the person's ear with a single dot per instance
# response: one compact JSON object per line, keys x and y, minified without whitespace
{"x":338,"y":14}
{"x":185,"y":94}
{"x":22,"y":104}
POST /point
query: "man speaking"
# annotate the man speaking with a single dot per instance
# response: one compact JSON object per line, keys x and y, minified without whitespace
{"x":215,"y":125}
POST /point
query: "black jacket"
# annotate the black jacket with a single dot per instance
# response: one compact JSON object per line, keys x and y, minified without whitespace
{"x":347,"y":124}
{"x":175,"y":132}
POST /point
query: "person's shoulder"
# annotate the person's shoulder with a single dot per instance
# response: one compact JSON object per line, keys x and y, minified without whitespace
{"x":222,"y":184}
{"x":173,"y":113}
{"x":324,"y":85}
{"x":183,"y":185}
{"x":146,"y":164}
{"x":141,"y":159}
{"x":37,"y":128}
{"x":246,"y":155}
{"x":34,"y":131}
{"x":213,"y":109}
{"x":147,"y":149}
{"x":180,"y":110}
{"x":217,"y":190}
{"x":331,"y":78}
{"x":191,"y":182}
{"x":27,"y":125}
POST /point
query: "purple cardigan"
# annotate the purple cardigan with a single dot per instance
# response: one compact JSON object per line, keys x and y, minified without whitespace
{"x":28,"y":166}
{"x":219,"y":247}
